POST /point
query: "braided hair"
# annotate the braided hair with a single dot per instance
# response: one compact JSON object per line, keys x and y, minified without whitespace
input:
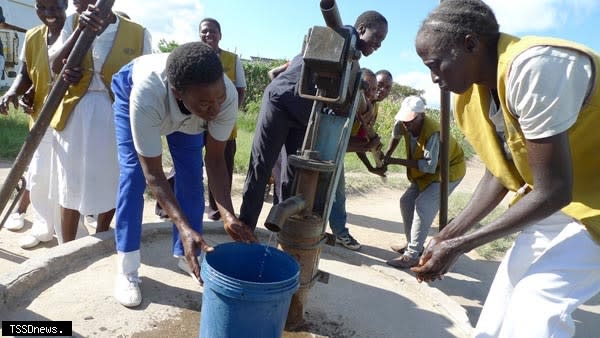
{"x":451,"y":20}
{"x":193,"y":63}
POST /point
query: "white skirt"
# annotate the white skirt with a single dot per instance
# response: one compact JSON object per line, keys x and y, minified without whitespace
{"x":86,"y":157}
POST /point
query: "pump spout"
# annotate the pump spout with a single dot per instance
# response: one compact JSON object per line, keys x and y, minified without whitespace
{"x":282,"y":211}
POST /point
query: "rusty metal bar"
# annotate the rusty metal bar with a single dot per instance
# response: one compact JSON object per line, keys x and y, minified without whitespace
{"x":83,"y":44}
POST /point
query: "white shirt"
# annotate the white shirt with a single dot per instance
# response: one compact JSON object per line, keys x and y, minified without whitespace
{"x":101,"y":47}
{"x":546,"y":88}
{"x":154,"y":111}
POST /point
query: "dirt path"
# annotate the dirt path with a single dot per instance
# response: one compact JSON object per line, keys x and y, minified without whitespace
{"x":374,"y":219}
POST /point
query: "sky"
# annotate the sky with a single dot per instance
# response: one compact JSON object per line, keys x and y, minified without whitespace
{"x":275,"y":29}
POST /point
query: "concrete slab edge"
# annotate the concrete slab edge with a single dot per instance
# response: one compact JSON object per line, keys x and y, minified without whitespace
{"x":57,"y":262}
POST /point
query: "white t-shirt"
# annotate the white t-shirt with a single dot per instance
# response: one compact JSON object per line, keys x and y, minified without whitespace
{"x":546,"y":88}
{"x":154,"y":111}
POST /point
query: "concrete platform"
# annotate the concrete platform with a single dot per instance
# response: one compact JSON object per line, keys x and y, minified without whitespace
{"x":364,"y":297}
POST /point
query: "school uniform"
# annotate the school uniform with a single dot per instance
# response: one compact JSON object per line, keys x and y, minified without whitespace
{"x":145,"y":109}
{"x":38,"y":56}
{"x":545,"y":87}
{"x":85,"y":161}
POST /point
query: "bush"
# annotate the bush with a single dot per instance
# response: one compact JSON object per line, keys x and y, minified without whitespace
{"x":14,"y":129}
{"x":257,"y":80}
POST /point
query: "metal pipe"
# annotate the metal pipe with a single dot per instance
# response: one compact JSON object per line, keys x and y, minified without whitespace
{"x":331,"y":14}
{"x":279,"y":214}
{"x":307,"y":188}
{"x":83,"y":44}
{"x":444,"y":150}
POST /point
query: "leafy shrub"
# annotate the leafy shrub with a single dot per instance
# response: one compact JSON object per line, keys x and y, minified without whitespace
{"x":256,"y":82}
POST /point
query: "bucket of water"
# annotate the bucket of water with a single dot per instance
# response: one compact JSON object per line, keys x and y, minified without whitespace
{"x":247,"y":291}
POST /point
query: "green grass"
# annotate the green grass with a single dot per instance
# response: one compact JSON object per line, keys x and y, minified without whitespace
{"x":13,"y":132}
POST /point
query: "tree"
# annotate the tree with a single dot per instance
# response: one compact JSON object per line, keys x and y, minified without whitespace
{"x":399,"y":92}
{"x":165,"y":46}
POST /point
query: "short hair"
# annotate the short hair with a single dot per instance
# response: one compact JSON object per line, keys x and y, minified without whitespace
{"x":193,"y":63}
{"x":451,"y":20}
{"x":386,"y":73}
{"x":211,"y":20}
{"x":366,"y":72}
{"x":370,"y":19}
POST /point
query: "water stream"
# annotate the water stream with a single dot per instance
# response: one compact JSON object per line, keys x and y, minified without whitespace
{"x":261,"y":268}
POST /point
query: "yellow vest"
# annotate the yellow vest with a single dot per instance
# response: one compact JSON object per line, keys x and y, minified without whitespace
{"x":128,"y":44}
{"x":228,"y":60}
{"x":356,"y":125}
{"x":471,"y":111}
{"x":456,"y":156}
{"x":38,"y":66}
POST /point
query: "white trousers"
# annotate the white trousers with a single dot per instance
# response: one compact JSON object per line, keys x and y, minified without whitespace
{"x":552,"y":268}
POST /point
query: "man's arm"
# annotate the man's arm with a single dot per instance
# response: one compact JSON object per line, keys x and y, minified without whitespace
{"x":273,"y":73}
{"x":241,"y":94}
{"x":218,"y":179}
{"x":240,"y":81}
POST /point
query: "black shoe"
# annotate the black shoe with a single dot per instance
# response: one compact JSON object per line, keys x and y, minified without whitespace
{"x":214,"y":215}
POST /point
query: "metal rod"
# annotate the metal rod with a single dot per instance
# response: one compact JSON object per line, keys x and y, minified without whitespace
{"x":444,"y":149}
{"x":83,"y":44}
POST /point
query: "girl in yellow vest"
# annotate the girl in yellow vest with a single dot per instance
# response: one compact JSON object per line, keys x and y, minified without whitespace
{"x":41,"y":46}
{"x":85,"y":160}
{"x":531,"y":109}
{"x":421,"y":201}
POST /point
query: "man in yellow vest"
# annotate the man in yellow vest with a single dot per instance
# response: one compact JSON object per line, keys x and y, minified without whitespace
{"x":531,"y":109}
{"x":421,"y":201}
{"x":210,"y":33}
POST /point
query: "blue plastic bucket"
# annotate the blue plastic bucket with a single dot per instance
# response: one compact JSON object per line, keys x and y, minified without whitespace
{"x":247,"y":291}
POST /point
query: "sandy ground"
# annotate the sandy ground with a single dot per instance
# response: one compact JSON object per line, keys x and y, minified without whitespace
{"x":374,"y":219}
